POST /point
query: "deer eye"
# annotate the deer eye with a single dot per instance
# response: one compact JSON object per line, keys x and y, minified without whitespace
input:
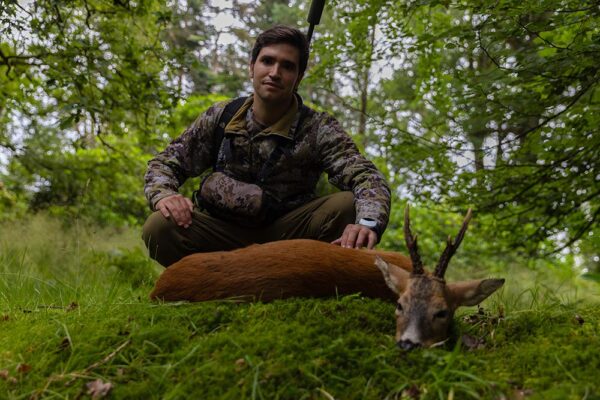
{"x":442,"y":314}
{"x":398,"y":306}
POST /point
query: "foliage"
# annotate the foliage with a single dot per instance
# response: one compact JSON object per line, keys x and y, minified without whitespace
{"x":83,"y":91}
{"x":461,"y":104}
{"x":92,"y":92}
{"x":493,"y":112}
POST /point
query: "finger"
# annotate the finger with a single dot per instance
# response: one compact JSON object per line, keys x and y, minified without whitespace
{"x":164,"y":205}
{"x":187,"y":211}
{"x":351,"y":238}
{"x":175,"y":210}
{"x":190,"y":204}
{"x":362,"y":237}
{"x":372,"y":240}
{"x":163,"y":210}
{"x":345,"y":234}
{"x":172,"y":210}
{"x":185,"y":215}
{"x":337,"y":241}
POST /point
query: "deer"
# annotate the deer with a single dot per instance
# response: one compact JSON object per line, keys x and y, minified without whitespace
{"x":425,"y":302}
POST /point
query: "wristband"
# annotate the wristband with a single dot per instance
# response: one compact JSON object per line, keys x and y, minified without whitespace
{"x":369,"y":223}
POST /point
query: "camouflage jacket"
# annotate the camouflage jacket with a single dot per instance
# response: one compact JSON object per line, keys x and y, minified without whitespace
{"x":318,"y":144}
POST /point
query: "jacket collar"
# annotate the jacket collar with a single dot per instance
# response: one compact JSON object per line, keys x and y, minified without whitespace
{"x":285,"y":127}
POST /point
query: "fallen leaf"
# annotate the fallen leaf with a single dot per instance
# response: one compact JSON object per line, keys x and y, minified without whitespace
{"x":500,"y":311}
{"x":240,"y":364}
{"x":12,"y":380}
{"x":471,"y":319}
{"x":72,"y":306}
{"x":4,"y":374}
{"x":412,"y":392}
{"x":98,"y":388}
{"x":65,"y":344}
{"x":472,"y":342}
{"x":23,"y":368}
{"x":521,"y":394}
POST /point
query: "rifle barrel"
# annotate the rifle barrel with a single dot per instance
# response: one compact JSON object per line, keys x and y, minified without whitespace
{"x":314,"y":16}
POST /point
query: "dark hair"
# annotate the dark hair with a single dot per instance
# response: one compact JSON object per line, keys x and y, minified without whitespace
{"x":283,"y":34}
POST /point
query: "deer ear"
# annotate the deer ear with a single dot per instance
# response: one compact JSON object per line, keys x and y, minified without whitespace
{"x":470,"y":293}
{"x":395,"y":277}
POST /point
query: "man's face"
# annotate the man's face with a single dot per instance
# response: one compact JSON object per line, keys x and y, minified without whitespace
{"x":275,"y":73}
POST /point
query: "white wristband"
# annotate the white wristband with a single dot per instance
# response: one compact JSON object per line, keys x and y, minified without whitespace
{"x":369,"y":223}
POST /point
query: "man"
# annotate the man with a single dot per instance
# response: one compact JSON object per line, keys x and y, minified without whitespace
{"x":266,"y":159}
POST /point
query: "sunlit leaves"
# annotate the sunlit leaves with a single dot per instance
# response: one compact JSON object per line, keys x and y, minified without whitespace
{"x":89,"y":91}
{"x":506,"y":92}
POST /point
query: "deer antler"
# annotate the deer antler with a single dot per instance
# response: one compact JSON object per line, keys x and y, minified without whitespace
{"x":451,"y":248}
{"x":411,"y":243}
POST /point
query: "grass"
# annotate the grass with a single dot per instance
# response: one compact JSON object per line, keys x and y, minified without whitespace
{"x":74,"y":308}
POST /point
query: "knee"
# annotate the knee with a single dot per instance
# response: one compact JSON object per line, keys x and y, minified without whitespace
{"x":340,"y":206}
{"x":330,"y":220}
{"x":345,"y":205}
{"x":157,"y":229}
{"x":334,"y":214}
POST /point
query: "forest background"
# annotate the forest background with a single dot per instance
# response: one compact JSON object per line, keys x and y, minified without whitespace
{"x":489,"y":105}
{"x":461,"y":103}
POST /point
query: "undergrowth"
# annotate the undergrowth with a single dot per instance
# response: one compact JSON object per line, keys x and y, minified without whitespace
{"x":74,"y":309}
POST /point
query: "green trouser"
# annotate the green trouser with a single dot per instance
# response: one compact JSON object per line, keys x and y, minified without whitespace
{"x":322,"y":219}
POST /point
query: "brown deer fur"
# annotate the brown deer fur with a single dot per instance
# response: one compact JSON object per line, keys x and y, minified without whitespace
{"x":278,"y":270}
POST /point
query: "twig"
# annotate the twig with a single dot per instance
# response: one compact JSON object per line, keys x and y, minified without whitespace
{"x":550,"y":118}
{"x":98,"y":363}
{"x":16,"y":3}
{"x":570,"y":11}
{"x":327,"y":395}
{"x":580,"y":232}
{"x":522,"y":25}
{"x":81,"y":374}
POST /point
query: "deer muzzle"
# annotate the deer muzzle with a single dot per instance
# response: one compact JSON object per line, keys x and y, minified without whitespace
{"x":407,"y":345}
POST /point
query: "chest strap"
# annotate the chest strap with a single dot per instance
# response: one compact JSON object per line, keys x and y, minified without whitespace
{"x":224,"y":146}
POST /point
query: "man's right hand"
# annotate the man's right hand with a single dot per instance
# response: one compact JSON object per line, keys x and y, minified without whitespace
{"x":177,"y":207}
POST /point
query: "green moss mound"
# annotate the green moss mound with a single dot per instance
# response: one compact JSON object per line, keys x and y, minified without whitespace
{"x":73,"y":313}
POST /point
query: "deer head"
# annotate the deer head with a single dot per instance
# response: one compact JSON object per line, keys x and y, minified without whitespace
{"x":426,"y":303}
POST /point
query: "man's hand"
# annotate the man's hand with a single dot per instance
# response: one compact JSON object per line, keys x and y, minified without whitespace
{"x":177,"y":207}
{"x":357,"y":236}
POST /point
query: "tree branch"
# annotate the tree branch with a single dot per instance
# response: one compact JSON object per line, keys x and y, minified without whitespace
{"x":582,"y":230}
{"x":538,"y":35}
{"x":548,"y":119}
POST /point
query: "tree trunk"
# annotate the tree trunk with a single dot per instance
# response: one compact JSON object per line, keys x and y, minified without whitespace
{"x":364,"y":90}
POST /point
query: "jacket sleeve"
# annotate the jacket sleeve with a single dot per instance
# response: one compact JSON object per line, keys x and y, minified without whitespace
{"x":187,"y":156}
{"x":350,"y":170}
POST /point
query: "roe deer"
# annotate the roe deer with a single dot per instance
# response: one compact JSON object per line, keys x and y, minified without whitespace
{"x":309,"y":268}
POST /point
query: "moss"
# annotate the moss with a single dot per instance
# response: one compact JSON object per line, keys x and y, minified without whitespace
{"x":536,"y":344}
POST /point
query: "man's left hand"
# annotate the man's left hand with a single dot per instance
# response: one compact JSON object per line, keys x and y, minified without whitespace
{"x":357,"y":236}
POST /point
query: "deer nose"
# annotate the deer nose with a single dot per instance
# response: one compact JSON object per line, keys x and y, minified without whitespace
{"x":407,"y":345}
